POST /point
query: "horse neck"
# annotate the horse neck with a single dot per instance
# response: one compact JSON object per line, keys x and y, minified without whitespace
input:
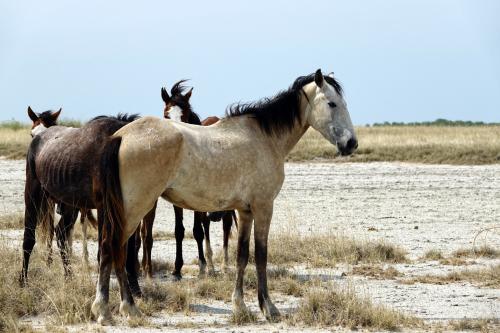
{"x":286,"y":141}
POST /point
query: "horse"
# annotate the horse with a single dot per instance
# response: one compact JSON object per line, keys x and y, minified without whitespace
{"x":237,"y":163}
{"x":61,"y":166}
{"x":178,"y":108}
{"x":42,"y":121}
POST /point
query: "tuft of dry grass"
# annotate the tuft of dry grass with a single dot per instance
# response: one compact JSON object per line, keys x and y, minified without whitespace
{"x":423,"y":144}
{"x":327,"y":250}
{"x":377,"y":272}
{"x":12,"y":221}
{"x":242,"y":317}
{"x":433,"y":254}
{"x":333,"y":305}
{"x":483,"y":251}
{"x":158,"y":296}
{"x":486,"y":277}
{"x":14,"y":142}
{"x":482,"y":325}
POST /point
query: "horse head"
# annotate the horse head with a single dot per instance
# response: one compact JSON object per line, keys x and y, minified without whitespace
{"x":329,"y":114}
{"x":177,"y":105}
{"x":43,"y":120}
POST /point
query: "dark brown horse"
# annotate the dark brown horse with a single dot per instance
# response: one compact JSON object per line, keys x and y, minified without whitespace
{"x":178,"y":108}
{"x":42,"y":121}
{"x":62,"y":167}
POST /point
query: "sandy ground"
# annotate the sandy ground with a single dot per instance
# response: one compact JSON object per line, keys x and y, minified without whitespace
{"x":418,"y":207}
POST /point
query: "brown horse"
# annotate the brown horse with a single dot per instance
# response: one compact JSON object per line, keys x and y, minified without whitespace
{"x":178,"y":107}
{"x":42,"y":121}
{"x":61,"y":166}
{"x":180,"y":162}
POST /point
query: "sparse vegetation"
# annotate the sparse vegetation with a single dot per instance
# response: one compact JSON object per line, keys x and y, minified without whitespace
{"x":377,"y":272}
{"x":482,"y":325}
{"x":12,"y":221}
{"x":486,"y":277}
{"x":331,"y":305}
{"x":451,"y":144}
{"x":422,"y":144}
{"x":327,"y":250}
{"x":483,"y":251}
{"x":433,"y":254}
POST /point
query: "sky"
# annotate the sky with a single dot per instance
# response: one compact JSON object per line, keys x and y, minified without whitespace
{"x":397,"y":60}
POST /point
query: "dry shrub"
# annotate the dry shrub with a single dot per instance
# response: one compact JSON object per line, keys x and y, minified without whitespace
{"x":218,"y":288}
{"x":424,"y":144}
{"x":12,"y":221}
{"x":332,"y":305}
{"x":327,"y":250}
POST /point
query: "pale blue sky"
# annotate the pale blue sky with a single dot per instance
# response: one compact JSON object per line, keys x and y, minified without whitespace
{"x":397,"y":60}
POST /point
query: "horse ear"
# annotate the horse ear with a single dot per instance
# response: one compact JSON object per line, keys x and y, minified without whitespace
{"x":188,"y":94}
{"x":318,"y":78}
{"x":32,"y":114}
{"x":56,"y":114}
{"x":164,"y":95}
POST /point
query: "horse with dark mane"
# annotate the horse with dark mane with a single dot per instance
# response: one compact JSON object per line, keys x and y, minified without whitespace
{"x":62,"y":166}
{"x":182,"y":163}
{"x":178,"y":108}
{"x":42,"y":121}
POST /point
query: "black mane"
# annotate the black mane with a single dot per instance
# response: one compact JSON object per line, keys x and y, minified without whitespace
{"x":123,"y":117}
{"x":178,"y":99}
{"x":280,"y":112}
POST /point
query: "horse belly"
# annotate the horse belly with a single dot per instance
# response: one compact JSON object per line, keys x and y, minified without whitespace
{"x":200,"y":200}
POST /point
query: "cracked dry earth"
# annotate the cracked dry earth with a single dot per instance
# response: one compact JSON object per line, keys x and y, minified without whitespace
{"x":417,"y":207}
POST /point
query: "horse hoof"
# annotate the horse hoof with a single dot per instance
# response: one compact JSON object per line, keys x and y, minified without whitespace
{"x":238,"y":303}
{"x":177,"y":276}
{"x":271,"y":312}
{"x":129,"y":310}
{"x":100,"y":310}
{"x":22,"y":280}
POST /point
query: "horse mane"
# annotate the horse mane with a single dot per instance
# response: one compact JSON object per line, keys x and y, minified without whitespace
{"x":279,"y":113}
{"x":178,"y":88}
{"x":124,"y":117}
{"x":46,"y":117}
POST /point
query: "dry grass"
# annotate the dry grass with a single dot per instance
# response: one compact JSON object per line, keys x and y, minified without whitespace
{"x":423,"y":144}
{"x":484,"y":251}
{"x":433,"y":254}
{"x":333,"y":305}
{"x":14,"y":142}
{"x":486,"y":277}
{"x":12,"y":221}
{"x":327,"y":250}
{"x":173,"y":297}
{"x":377,"y":272}
{"x":48,"y":293}
{"x":482,"y":325}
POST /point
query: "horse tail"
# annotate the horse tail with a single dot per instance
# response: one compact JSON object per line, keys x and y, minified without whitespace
{"x":111,"y":199}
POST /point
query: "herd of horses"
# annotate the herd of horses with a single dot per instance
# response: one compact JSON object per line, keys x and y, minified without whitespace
{"x":121,"y":165}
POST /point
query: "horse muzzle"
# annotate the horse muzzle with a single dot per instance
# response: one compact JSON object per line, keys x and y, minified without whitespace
{"x":350,"y":146}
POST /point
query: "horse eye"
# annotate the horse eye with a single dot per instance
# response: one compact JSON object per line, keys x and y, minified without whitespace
{"x":332,"y":104}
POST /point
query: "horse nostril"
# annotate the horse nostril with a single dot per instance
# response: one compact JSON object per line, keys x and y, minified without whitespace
{"x":352,"y":144}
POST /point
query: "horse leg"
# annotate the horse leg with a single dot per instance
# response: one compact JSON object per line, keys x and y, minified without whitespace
{"x":148,"y":241}
{"x":33,"y":198}
{"x":63,"y":229}
{"x":100,"y":307}
{"x":50,"y":232}
{"x":130,"y":267}
{"x":262,"y":217}
{"x":127,"y":305}
{"x":179,"y":236}
{"x":138,"y":242}
{"x":84,"y":239}
{"x":198,"y":236}
{"x":244,"y":230}
{"x":227,"y":222}
{"x":208,"y":247}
